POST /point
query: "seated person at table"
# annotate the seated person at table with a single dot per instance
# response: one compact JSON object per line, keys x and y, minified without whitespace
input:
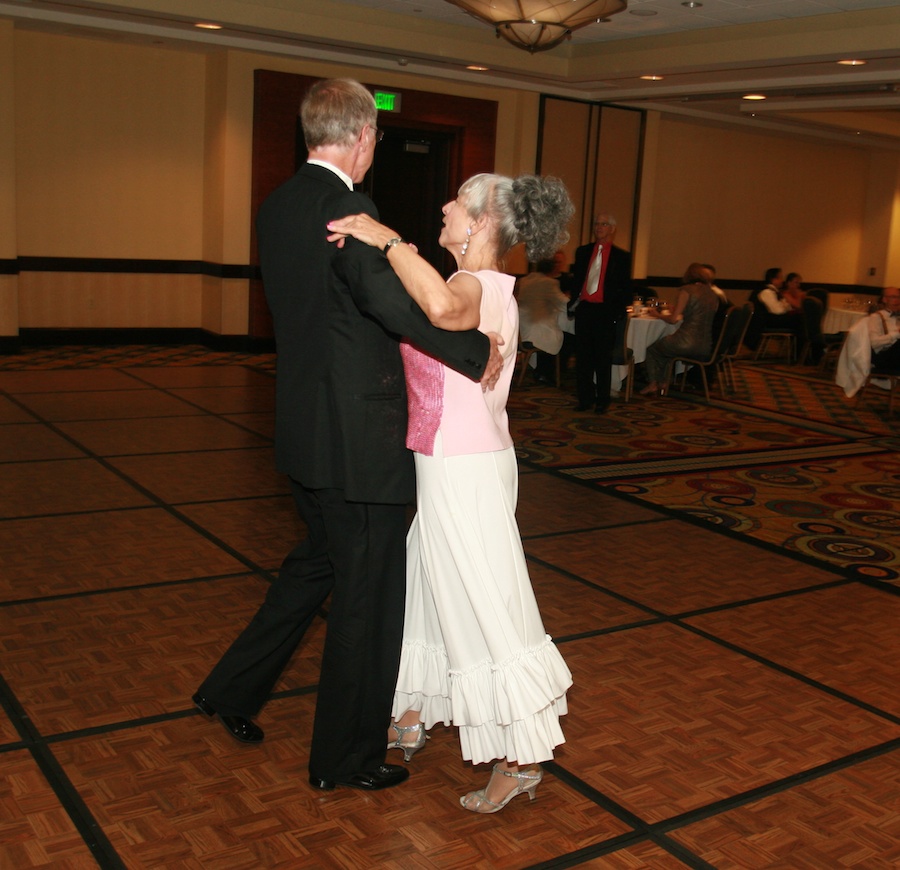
{"x":723,"y":298}
{"x":884,"y":331}
{"x":793,"y":292}
{"x":541,"y":303}
{"x":695,"y":308}
{"x":771,"y":311}
{"x":693,"y":375}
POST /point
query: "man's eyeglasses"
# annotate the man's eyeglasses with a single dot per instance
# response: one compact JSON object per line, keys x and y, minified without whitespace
{"x":603,"y":224}
{"x":379,"y":134}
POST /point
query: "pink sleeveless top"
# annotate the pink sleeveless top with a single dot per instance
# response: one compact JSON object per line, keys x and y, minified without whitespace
{"x":442,"y":399}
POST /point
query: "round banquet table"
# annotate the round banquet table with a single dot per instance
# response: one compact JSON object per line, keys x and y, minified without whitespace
{"x":841,"y":319}
{"x":642,"y":332}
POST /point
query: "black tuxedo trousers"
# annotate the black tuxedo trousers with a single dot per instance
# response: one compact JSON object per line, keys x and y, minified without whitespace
{"x":355,"y":551}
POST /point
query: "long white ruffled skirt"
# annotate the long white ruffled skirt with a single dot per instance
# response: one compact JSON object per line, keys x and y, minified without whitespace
{"x":475,"y":653}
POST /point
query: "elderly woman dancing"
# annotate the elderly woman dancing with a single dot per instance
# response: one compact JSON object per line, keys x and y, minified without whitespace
{"x":475,"y":653}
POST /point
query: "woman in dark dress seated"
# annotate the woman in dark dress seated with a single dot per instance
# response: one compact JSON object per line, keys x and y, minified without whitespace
{"x":694,"y":309}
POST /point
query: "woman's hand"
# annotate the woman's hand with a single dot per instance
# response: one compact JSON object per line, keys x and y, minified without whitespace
{"x":362,"y":227}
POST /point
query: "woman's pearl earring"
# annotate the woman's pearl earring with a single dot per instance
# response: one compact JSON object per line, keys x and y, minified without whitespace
{"x":465,"y":246}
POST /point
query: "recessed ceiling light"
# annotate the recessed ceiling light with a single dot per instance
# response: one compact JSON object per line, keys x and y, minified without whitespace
{"x":477,"y":68}
{"x":849,"y":62}
{"x":643,"y":13}
{"x":753,"y":97}
{"x":205,"y":25}
{"x":692,"y":5}
{"x":652,"y":78}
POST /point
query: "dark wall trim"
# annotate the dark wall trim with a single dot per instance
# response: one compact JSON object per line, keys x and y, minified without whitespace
{"x":150,"y":335}
{"x":142,"y":267}
{"x":10,"y":344}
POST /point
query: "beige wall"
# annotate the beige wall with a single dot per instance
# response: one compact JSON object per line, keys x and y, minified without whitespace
{"x":125,"y":151}
{"x":568,"y":128}
{"x":747,"y":201}
{"x":573,"y":133}
{"x":107,"y":300}
{"x":109,"y":149}
{"x":617,"y":170}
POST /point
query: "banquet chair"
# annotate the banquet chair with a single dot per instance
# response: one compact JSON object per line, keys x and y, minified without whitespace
{"x":820,"y":294}
{"x":770,"y":334}
{"x":832,"y":352}
{"x":879,"y":373}
{"x":623,"y":355}
{"x":704,"y":363}
{"x":732,"y":342}
{"x":812,"y":311}
{"x":523,"y":354}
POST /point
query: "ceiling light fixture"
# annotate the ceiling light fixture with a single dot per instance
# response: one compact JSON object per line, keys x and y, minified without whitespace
{"x":652,"y":78}
{"x":692,"y":5}
{"x":205,"y":25}
{"x":537,"y":25}
{"x":753,"y":97}
{"x":477,"y":68}
{"x":850,"y":62}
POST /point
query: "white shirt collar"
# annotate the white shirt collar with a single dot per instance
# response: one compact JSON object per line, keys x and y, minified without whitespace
{"x":340,"y":174}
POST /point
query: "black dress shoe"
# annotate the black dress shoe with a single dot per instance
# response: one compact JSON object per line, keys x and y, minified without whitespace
{"x":383,"y":776}
{"x":583,"y":406}
{"x":237,"y":726}
{"x":601,"y":409}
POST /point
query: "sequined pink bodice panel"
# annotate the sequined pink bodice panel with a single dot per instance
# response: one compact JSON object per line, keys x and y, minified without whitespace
{"x":425,"y":388}
{"x":443,"y":400}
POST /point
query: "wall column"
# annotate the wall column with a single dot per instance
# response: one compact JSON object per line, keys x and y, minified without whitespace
{"x":9,"y":282}
{"x":881,"y":222}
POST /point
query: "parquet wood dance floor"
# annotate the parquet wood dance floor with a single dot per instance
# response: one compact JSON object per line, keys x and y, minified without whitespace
{"x":735,"y":702}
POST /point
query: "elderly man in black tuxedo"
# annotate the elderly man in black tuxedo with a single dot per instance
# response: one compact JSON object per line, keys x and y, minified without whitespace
{"x":340,"y":432}
{"x":601,"y":291}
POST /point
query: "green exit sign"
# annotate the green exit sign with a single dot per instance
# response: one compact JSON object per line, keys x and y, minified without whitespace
{"x":385,"y":101}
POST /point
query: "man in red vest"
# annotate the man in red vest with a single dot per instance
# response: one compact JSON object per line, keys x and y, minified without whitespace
{"x":601,"y":291}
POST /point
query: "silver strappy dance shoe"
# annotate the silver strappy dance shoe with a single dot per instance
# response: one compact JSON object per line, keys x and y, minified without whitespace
{"x":409,"y":748}
{"x":526,"y":781}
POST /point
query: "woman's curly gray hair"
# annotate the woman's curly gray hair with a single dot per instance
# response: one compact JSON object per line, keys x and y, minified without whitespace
{"x":528,"y":209}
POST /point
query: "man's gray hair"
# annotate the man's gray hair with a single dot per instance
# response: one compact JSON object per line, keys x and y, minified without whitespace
{"x":334,"y":112}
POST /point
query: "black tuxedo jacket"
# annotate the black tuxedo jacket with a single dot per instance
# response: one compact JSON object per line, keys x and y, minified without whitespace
{"x":341,"y":410}
{"x":617,"y":287}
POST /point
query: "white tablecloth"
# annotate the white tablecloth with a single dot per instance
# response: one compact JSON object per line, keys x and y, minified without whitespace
{"x":841,"y":319}
{"x":642,"y":332}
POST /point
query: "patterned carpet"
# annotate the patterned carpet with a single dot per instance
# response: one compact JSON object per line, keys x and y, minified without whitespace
{"x":787,"y":460}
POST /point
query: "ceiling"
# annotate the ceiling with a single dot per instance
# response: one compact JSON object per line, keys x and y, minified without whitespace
{"x":709,"y":56}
